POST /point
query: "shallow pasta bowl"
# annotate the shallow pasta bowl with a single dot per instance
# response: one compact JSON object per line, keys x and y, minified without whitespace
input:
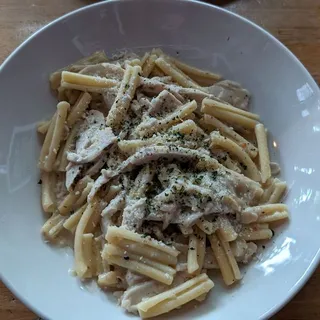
{"x":284,"y":94}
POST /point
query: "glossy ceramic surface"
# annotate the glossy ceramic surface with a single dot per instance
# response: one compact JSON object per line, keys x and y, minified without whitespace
{"x":284,"y":94}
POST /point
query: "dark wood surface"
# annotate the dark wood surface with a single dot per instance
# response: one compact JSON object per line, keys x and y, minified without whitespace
{"x":294,"y":22}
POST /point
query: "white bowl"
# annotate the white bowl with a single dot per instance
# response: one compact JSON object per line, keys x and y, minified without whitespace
{"x":284,"y":94}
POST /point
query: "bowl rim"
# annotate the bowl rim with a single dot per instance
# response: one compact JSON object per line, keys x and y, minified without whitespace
{"x":316,"y":259}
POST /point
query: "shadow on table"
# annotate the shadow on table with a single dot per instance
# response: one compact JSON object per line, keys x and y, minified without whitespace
{"x":87,"y":2}
{"x":220,"y":3}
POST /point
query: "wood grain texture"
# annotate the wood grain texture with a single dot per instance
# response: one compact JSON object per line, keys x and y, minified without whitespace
{"x":294,"y":22}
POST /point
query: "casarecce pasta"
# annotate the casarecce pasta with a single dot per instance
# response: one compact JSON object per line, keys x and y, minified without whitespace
{"x":158,"y":172}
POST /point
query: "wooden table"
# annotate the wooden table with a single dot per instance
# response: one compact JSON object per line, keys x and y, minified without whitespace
{"x":295,"y":22}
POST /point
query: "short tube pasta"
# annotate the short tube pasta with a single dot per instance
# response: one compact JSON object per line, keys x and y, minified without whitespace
{"x":53,"y":226}
{"x":230,"y":133}
{"x":263,"y":212}
{"x":72,"y":200}
{"x":115,"y":233}
{"x":170,"y":70}
{"x":47,"y":192}
{"x":47,"y":141}
{"x":227,"y":107}
{"x":148,"y":65}
{"x":278,"y":192}
{"x":149,"y":268}
{"x":72,"y":221}
{"x":62,"y":110}
{"x":200,"y":76}
{"x":72,"y":80}
{"x":263,"y":152}
{"x":145,"y":129}
{"x":248,"y":165}
{"x":78,"y":109}
{"x":193,"y":264}
{"x":249,"y":234}
{"x":123,"y":99}
{"x":175,"y":297}
{"x":86,"y":224}
{"x":230,"y":117}
{"x":227,"y":264}
{"x":226,"y":230}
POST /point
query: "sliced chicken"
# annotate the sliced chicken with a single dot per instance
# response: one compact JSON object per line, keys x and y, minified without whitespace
{"x":227,"y":91}
{"x":194,"y":94}
{"x":94,"y":138}
{"x":152,"y":87}
{"x":135,"y":294}
{"x":134,"y":213}
{"x":230,"y":92}
{"x":144,"y":156}
{"x":165,"y":79}
{"x":106,"y":70}
{"x":207,"y":201}
{"x":172,"y":214}
{"x":201,"y":159}
{"x":166,"y":214}
{"x":74,"y":173}
{"x":95,"y":167}
{"x":115,"y":205}
{"x":188,"y":218}
{"x":162,"y":104}
{"x":242,"y":250}
{"x":109,"y":97}
{"x":134,"y":278}
{"x":122,"y":58}
{"x":141,"y":105}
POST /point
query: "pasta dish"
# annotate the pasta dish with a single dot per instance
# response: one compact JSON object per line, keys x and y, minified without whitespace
{"x":158,"y":173}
